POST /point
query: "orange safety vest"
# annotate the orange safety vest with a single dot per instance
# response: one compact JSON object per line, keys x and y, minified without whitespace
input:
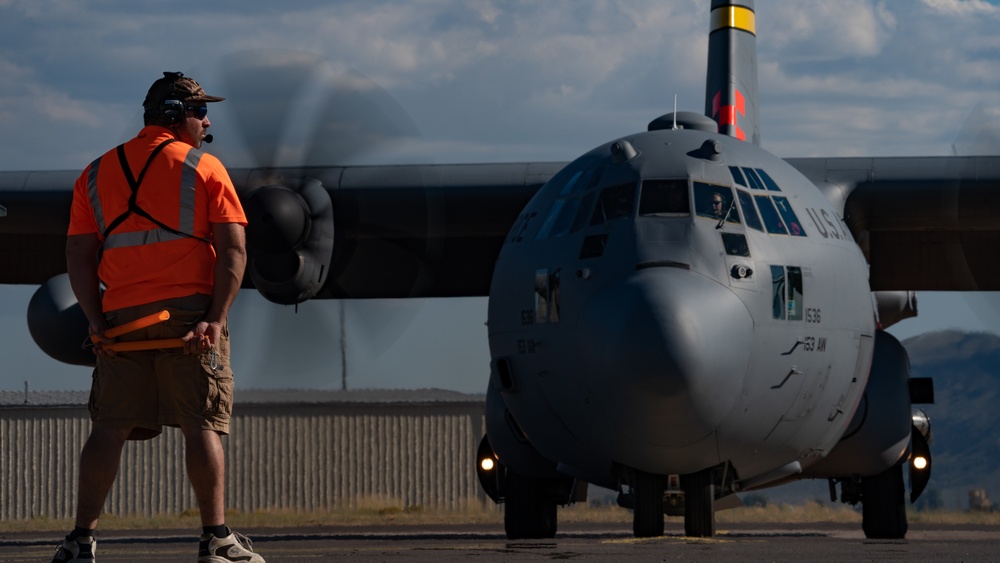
{"x":155,"y":229}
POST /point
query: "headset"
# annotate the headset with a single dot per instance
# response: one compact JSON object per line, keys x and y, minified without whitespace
{"x":172,"y":109}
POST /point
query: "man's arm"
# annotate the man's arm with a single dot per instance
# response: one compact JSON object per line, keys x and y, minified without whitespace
{"x":81,"y":263}
{"x":229,"y":240}
{"x":231,"y":259}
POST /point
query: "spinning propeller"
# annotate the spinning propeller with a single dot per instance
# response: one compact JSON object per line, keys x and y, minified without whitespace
{"x":291,"y":116}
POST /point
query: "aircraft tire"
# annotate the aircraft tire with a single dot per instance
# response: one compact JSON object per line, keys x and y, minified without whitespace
{"x":647,"y":517}
{"x":529,"y":508}
{"x":883,"y":504}
{"x":699,"y":504}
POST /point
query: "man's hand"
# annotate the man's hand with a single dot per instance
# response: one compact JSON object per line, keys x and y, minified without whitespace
{"x":97,"y":330}
{"x":202,"y":338}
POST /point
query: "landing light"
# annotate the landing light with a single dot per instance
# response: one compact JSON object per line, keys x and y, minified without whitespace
{"x":486,"y":464}
{"x":920,"y":462}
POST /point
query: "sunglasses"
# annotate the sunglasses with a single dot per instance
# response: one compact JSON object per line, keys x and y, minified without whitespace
{"x":199,"y":111}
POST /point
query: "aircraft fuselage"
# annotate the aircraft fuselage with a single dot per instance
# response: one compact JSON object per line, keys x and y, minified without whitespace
{"x":632,"y":324}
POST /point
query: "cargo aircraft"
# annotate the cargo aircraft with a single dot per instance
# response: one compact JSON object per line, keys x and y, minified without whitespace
{"x":677,"y":315}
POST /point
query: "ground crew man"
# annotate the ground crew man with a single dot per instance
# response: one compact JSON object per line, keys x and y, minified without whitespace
{"x":159,"y":224}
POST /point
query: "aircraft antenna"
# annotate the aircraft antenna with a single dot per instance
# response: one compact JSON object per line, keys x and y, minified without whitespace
{"x":675,"y":111}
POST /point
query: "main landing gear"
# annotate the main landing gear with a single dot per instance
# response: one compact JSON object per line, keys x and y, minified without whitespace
{"x":530,"y":503}
{"x":699,"y":504}
{"x":529,"y":508}
{"x":883,"y":502}
{"x":647,"y":513}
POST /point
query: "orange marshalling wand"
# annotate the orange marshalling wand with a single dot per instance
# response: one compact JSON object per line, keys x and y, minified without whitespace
{"x":145,"y":345}
{"x":148,"y":320}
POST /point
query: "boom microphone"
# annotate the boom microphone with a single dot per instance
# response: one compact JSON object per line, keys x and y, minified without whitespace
{"x":208,"y":138}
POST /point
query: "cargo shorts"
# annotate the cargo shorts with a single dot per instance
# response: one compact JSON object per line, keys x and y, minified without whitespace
{"x":148,"y":389}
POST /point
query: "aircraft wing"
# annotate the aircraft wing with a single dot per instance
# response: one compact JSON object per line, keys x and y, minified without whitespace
{"x":435,"y":230}
{"x":924,"y":223}
{"x":400,"y":231}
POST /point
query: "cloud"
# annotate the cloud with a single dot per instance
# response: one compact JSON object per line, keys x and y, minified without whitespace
{"x":550,"y":74}
{"x":826,"y":30}
{"x":964,"y":7}
{"x":62,"y":109}
{"x":27,"y":99}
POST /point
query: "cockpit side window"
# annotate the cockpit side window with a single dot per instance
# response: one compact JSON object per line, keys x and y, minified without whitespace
{"x":749,"y":211}
{"x":768,"y":181}
{"x":738,"y":176}
{"x":574,"y":185}
{"x":755,"y":181}
{"x":564,"y":208}
{"x":794,"y":304}
{"x":770,"y":215}
{"x":778,"y":292}
{"x":715,"y":202}
{"x":615,"y":202}
{"x":664,"y":198}
{"x":786,"y":293}
{"x":583,"y":212}
{"x":557,"y":223}
{"x":791,"y":219}
{"x":592,"y":178}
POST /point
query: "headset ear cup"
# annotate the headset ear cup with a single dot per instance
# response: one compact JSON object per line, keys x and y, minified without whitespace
{"x":172,"y":111}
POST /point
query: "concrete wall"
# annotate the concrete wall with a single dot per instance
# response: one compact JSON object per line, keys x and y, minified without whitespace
{"x":279,"y":456}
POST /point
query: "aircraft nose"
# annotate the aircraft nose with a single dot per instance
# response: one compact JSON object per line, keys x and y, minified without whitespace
{"x":667,"y":351}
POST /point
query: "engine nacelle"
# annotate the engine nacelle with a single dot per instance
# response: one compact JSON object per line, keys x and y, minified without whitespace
{"x":289,"y":240}
{"x":57,"y":323}
{"x":895,"y":306}
{"x":879,"y":433}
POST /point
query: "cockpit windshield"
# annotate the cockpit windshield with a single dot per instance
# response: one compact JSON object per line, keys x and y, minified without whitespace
{"x":715,"y":202}
{"x":664,"y":198}
{"x":615,"y":202}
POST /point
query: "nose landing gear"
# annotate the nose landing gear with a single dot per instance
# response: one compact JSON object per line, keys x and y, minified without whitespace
{"x":696,"y":497}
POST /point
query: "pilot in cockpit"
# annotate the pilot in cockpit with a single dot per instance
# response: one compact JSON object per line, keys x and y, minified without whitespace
{"x":718,"y":205}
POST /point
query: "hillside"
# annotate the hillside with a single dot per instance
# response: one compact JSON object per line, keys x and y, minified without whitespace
{"x":965,"y":416}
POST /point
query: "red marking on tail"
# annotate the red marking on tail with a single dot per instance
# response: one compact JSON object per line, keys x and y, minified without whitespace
{"x":727,"y":115}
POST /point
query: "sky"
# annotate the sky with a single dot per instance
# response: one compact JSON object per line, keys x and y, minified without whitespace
{"x":481,"y":81}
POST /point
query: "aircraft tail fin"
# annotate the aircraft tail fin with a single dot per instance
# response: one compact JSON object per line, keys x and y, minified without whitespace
{"x":731,"y":98}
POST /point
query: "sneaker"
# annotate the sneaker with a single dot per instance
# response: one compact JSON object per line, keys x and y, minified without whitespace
{"x":234,"y":547}
{"x":81,"y":550}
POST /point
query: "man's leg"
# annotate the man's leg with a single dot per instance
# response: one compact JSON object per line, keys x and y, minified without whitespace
{"x":99,"y":462}
{"x":206,"y":467}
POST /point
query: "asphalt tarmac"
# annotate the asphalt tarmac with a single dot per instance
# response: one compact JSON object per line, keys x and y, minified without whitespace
{"x":579,"y":542}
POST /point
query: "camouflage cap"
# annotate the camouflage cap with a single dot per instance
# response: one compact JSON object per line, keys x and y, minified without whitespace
{"x":174,"y":85}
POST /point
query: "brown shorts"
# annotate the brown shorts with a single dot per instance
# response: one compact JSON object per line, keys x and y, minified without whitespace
{"x":149,"y":389}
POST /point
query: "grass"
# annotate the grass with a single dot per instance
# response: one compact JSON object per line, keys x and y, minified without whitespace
{"x":366,"y":512}
{"x":376,"y":512}
{"x":806,"y":513}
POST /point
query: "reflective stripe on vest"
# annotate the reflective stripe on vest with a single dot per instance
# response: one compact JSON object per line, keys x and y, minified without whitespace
{"x":95,"y":202}
{"x":189,"y":177}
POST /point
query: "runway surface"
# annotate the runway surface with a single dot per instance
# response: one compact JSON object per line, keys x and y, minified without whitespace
{"x":579,"y":542}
